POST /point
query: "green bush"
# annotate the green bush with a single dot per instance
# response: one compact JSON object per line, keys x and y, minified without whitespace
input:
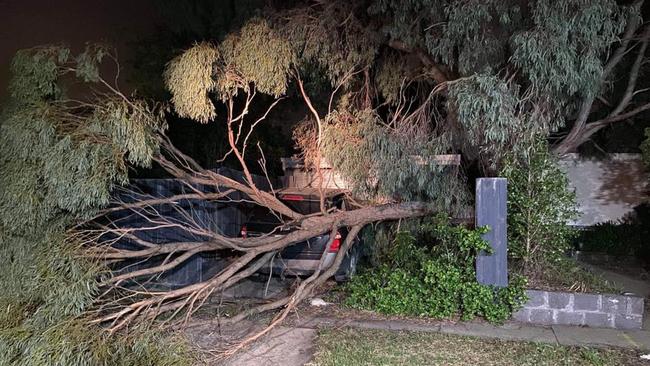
{"x":625,"y":237}
{"x":611,"y":238}
{"x":540,"y":206}
{"x":430,"y":272}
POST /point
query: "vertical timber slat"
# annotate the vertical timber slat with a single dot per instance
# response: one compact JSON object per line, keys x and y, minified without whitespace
{"x":491,"y":211}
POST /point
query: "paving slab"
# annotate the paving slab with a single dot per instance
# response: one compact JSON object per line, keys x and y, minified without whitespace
{"x":583,"y":336}
{"x":509,"y":331}
{"x":282,"y":346}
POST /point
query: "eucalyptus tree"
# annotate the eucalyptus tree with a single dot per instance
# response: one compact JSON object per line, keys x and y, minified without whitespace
{"x":387,"y":85}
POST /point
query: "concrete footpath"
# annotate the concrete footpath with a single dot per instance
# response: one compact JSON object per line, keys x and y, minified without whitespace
{"x":556,"y":334}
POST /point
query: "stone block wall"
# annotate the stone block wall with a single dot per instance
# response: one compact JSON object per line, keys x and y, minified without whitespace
{"x":593,"y":310}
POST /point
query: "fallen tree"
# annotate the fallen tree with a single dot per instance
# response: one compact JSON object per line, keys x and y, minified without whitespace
{"x":98,"y":137}
{"x":121,"y":305}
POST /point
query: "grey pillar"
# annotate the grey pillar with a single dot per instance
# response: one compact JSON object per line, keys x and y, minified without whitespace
{"x":491,"y":210}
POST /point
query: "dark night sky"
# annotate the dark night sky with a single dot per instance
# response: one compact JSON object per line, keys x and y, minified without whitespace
{"x":27,"y":23}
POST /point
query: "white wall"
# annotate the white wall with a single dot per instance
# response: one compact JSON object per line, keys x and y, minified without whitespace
{"x":607,"y":189}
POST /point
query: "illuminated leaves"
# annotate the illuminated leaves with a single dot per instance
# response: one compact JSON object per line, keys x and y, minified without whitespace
{"x":189,"y":78}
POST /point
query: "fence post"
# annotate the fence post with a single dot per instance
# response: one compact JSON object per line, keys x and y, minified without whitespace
{"x":491,"y":210}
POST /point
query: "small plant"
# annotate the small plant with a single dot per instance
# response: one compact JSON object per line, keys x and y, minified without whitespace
{"x":429,"y":271}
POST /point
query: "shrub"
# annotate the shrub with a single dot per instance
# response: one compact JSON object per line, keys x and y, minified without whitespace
{"x":429,"y":271}
{"x":625,"y":237}
{"x":540,"y":206}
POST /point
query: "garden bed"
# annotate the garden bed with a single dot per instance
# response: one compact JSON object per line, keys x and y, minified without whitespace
{"x":566,"y":275}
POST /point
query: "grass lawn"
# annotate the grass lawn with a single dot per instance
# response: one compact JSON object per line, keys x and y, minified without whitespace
{"x":351,"y":347}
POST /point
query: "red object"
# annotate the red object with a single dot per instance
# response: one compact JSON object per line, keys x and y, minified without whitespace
{"x":244,"y":232}
{"x":336,"y":244}
{"x":292,"y":197}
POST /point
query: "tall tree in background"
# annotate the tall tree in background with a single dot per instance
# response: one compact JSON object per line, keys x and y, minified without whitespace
{"x":424,"y":34}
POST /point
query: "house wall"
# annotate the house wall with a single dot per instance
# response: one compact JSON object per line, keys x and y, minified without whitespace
{"x":607,"y":189}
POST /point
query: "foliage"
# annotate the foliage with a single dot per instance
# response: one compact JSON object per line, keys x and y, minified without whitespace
{"x":436,"y":279}
{"x":477,"y":31}
{"x":59,"y":160}
{"x":461,"y":34}
{"x":189,"y":79}
{"x":540,"y":206}
{"x":35,"y":72}
{"x":253,"y":57}
{"x":179,"y":25}
{"x":382,"y":163}
{"x":625,"y":237}
{"x":393,"y":73}
{"x":559,"y":46}
{"x":562,"y":52}
{"x":260,"y":56}
{"x":531,"y":60}
{"x":331,"y":36}
{"x":420,"y":78}
{"x":75,"y":343}
{"x":488,"y":110}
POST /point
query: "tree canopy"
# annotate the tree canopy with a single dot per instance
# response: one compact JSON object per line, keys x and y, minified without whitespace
{"x":477,"y":77}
